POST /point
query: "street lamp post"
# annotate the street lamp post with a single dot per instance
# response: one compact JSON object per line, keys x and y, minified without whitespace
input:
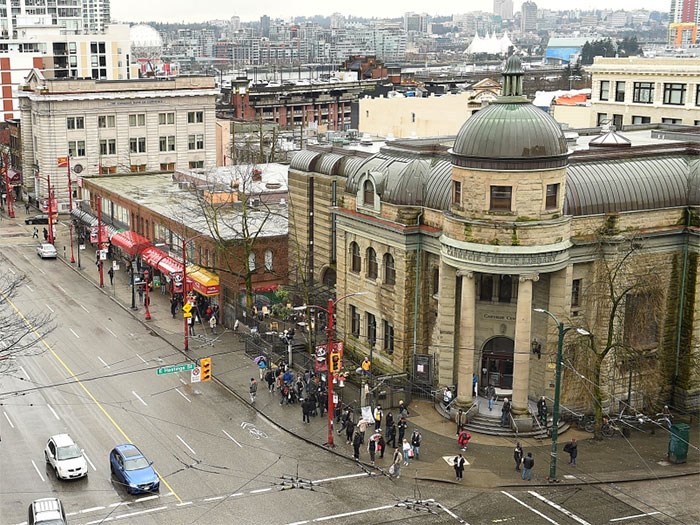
{"x":70,"y":210}
{"x":147,"y":299}
{"x":99,"y":241}
{"x":561,"y":330}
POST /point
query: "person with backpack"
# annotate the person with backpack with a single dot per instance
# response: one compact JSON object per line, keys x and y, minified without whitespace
{"x":528,"y":465}
{"x":416,"y":439}
{"x":572,"y":449}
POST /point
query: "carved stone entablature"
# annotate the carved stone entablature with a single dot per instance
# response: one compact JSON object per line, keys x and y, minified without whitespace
{"x":528,"y":261}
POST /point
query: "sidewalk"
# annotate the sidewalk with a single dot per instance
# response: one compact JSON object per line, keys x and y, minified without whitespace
{"x":490,"y":459}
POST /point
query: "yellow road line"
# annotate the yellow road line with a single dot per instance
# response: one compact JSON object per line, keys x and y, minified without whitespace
{"x":75,"y":378}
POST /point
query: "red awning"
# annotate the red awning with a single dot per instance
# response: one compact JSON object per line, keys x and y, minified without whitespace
{"x":160,"y":260}
{"x":131,"y":242}
{"x":170,"y":266}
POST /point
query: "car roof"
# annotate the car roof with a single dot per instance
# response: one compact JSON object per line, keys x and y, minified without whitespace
{"x":128,"y":450}
{"x":62,"y":440}
{"x":46,"y":505}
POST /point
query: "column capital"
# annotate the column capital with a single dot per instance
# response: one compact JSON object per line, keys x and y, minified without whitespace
{"x":534,"y":277}
{"x":465,"y":273}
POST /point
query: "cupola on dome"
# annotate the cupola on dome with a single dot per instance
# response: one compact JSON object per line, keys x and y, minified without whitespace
{"x":510,"y":133}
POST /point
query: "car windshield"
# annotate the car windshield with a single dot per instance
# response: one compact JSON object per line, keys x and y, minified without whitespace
{"x":136,"y":463}
{"x":69,"y":452}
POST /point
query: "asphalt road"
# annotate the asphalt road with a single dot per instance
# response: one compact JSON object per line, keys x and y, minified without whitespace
{"x":95,"y":377}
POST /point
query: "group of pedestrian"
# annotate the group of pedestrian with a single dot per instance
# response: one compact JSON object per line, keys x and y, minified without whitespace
{"x":525,"y":463}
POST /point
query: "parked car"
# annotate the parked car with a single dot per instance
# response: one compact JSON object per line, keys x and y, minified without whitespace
{"x":46,"y":251}
{"x":46,"y":511}
{"x":131,"y":468}
{"x":65,"y":457}
{"x":42,"y":218}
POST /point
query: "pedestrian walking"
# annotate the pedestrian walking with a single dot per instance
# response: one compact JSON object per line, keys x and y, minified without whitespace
{"x":491,"y":396}
{"x":344,"y":418}
{"x":212,"y":326}
{"x":395,"y":468}
{"x":403,"y":411}
{"x":372,"y":447}
{"x":35,"y":234}
{"x":270,"y":379}
{"x":253,"y":389}
{"x":416,"y":439}
{"x":391,"y":435}
{"x":262,"y":366}
{"x":26,"y":208}
{"x":460,"y":420}
{"x":190,"y":324}
{"x":406,"y":448}
{"x":361,"y":428}
{"x":518,"y":455}
{"x":572,"y":449}
{"x":349,"y":431}
{"x":356,"y":442}
{"x":173,"y":306}
{"x":141,"y":295}
{"x":46,"y":234}
{"x":111,"y":276}
{"x":458,"y":464}
{"x":388,"y":421}
{"x":402,"y":428}
{"x":306,"y":410}
{"x":505,"y":413}
{"x":463,"y":439}
{"x":236,"y":324}
{"x":378,"y":415}
{"x":542,"y":411}
{"x":381,"y":445}
{"x":528,"y":464}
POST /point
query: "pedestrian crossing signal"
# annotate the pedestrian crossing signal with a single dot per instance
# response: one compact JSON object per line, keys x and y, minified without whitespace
{"x":205,"y":368}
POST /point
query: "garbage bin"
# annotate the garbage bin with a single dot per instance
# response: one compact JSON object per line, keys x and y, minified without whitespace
{"x":678,"y":444}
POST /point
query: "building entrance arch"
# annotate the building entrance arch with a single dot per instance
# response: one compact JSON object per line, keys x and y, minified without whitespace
{"x":497,"y":362}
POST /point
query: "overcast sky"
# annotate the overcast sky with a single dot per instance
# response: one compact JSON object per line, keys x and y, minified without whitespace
{"x":193,"y":11}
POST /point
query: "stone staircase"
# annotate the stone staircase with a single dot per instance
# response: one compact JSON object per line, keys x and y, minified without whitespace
{"x":491,"y":425}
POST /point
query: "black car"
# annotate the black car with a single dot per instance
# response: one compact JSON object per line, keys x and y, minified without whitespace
{"x":37,"y":219}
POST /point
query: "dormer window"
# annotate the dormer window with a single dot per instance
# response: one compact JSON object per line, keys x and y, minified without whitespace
{"x":368,"y":193}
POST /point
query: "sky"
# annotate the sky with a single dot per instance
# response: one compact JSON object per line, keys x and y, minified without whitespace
{"x":189,"y":11}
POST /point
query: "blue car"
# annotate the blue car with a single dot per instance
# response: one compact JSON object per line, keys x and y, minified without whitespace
{"x":132,"y":468}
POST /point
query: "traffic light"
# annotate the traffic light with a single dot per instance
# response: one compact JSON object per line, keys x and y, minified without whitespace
{"x":205,"y":368}
{"x":335,"y":363}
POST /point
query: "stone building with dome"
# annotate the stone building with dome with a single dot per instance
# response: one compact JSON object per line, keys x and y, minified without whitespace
{"x":455,"y":241}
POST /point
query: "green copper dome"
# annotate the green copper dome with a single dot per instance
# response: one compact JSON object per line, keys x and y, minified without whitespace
{"x":511,"y":133}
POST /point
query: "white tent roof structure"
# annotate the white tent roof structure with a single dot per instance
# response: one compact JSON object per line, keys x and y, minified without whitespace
{"x":490,"y":44}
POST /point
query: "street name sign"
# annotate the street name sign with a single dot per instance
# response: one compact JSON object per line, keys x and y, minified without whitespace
{"x":173,"y":369}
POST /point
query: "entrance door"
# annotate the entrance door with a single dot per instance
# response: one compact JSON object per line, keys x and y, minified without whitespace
{"x":497,"y":362}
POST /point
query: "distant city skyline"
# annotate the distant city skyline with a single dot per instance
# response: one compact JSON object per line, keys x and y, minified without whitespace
{"x":181,"y":11}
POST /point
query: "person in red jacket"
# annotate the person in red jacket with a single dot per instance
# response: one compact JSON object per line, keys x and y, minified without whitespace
{"x":463,"y":439}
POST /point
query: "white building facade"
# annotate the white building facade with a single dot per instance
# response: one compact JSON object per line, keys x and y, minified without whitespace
{"x":105,"y":127}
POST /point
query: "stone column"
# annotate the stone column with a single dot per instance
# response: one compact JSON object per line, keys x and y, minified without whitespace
{"x":467,"y":332}
{"x":521,"y":357}
{"x":446,"y":323}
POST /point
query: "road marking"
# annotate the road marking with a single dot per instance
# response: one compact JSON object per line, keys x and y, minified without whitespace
{"x":183,"y":395}
{"x":268,"y":489}
{"x":50,"y":309}
{"x":12,"y":271}
{"x":214,"y":498}
{"x":53,"y":411}
{"x":37,"y":471}
{"x":550,"y":520}
{"x":83,"y":387}
{"x":61,"y":288}
{"x":236,"y":494}
{"x":231,"y":438}
{"x":147,"y":498}
{"x":349,"y":476}
{"x":76,"y":335}
{"x":91,"y":464}
{"x":141,"y":358}
{"x":118,"y":504}
{"x":183,"y":442}
{"x":24,"y":372}
{"x":110,"y":331}
{"x":450,"y":513}
{"x":343,"y":515}
{"x":42,"y":271}
{"x":81,"y":306}
{"x":8,"y":419}
{"x":128,"y":515}
{"x":103,"y":362}
{"x":635,"y":516}
{"x":559,"y":508}
{"x":91,"y":509}
{"x":184,"y":503}
{"x":30,"y":288}
{"x":139,"y":398}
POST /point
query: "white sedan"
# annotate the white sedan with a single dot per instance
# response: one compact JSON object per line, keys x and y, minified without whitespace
{"x":46,"y":251}
{"x":65,"y":457}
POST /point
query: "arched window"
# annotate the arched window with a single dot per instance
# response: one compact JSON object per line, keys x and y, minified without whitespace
{"x":251,"y":262}
{"x":355,"y":259}
{"x":389,"y":270}
{"x":368,"y":193}
{"x":268,"y":260}
{"x":372,"y":264}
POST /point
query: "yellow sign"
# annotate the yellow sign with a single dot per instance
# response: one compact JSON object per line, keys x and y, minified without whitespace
{"x":187,"y":315}
{"x":186,"y":308}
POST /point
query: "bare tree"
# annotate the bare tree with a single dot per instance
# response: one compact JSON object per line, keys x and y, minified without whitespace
{"x":623,"y":306}
{"x":19,"y":331}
